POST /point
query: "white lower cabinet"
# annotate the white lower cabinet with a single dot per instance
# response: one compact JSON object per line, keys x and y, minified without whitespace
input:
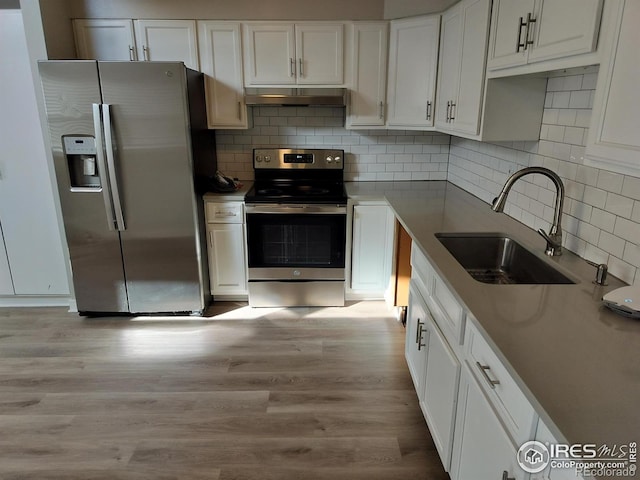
{"x":226,"y":247}
{"x":438,"y":389}
{"x":482,"y":449}
{"x":373,"y":234}
{"x":440,"y":395}
{"x":416,"y":340}
{"x":477,"y":415}
{"x":6,"y":284}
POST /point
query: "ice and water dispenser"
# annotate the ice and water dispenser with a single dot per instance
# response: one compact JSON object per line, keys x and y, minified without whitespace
{"x":80,"y":151}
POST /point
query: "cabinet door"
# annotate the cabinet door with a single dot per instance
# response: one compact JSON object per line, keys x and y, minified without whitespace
{"x":221,"y":62}
{"x":371,"y":253}
{"x":6,"y":284}
{"x":270,"y":54}
{"x":167,"y":40}
{"x":614,"y":143}
{"x":507,"y":33}
{"x":440,"y":390}
{"x":569,"y":27}
{"x":227,"y":259}
{"x":104,"y":39}
{"x":366,"y":104}
{"x":416,"y":340}
{"x":449,"y":64}
{"x":319,"y":51}
{"x":413,"y":63}
{"x":483,"y":449}
{"x":468,"y":103}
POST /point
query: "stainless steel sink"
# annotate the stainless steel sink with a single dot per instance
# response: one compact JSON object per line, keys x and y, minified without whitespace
{"x":498,"y":259}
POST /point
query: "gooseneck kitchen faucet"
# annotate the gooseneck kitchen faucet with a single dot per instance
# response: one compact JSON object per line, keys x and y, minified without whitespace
{"x":554,"y":237}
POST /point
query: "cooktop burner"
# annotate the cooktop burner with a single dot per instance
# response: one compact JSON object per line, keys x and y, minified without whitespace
{"x":294,"y":192}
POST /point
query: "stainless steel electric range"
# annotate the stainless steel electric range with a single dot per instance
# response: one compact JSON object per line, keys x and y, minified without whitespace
{"x":296,"y":217}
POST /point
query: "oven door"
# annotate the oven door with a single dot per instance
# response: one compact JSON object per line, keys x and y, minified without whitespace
{"x":296,"y":242}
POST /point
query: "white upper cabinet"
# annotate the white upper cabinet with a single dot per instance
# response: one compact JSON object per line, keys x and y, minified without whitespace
{"x":529,"y":31}
{"x":614,"y":143}
{"x":413,"y":63}
{"x":104,"y":39}
{"x":289,"y":54}
{"x":461,"y":70}
{"x":167,"y":40}
{"x":369,"y":75}
{"x":221,"y":62}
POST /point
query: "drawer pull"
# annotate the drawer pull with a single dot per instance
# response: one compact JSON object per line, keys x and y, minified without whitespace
{"x":505,"y":476}
{"x":492,"y":383}
{"x":226,"y":214}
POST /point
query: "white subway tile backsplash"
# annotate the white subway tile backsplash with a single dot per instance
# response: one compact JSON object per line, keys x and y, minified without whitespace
{"x":609,"y":181}
{"x":602,"y":209}
{"x":627,"y":229}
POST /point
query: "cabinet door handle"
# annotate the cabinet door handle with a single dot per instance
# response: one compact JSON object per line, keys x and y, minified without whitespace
{"x":381,"y":110}
{"x":239,"y":110}
{"x":131,"y":57}
{"x":530,"y":20}
{"x":505,"y":476}
{"x":419,"y":331}
{"x":519,"y":44}
{"x":428,"y":110}
{"x":483,"y":370}
{"x":292,"y":67}
{"x":145,"y":53}
{"x":301,"y":72}
{"x":448,"y":110}
{"x":452,"y":114}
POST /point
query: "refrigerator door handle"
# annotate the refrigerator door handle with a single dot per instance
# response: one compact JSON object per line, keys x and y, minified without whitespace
{"x":102,"y":166}
{"x":111,"y":165}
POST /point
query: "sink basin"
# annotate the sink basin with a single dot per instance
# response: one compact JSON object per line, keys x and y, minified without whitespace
{"x":498,"y":259}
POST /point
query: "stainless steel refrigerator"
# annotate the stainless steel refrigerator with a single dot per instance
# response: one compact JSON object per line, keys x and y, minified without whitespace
{"x":125,"y":137}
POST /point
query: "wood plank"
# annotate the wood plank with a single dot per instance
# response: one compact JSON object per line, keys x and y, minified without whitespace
{"x":241,"y":393}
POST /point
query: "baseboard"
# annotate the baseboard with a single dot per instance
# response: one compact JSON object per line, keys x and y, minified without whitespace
{"x":36,"y":301}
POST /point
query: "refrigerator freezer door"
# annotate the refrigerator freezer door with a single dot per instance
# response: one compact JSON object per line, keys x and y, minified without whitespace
{"x":150,"y":131}
{"x":70,"y":90}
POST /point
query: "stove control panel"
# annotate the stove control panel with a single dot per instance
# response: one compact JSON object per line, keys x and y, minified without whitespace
{"x":291,"y":158}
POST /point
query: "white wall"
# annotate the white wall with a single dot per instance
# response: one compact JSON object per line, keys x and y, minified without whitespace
{"x":27,"y":204}
{"x":407,"y":8}
{"x":231,"y":9}
{"x":371,"y":155}
{"x":601,"y":217}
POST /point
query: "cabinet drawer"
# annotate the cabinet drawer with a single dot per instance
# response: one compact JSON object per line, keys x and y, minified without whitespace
{"x":447,"y":311}
{"x":421,"y":272}
{"x":228,"y":212}
{"x":513,"y":407}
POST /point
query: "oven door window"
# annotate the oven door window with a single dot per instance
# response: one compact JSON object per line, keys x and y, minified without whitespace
{"x":286,"y":240}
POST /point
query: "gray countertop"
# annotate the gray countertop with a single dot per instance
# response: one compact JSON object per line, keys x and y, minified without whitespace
{"x":577,"y":362}
{"x":236,"y":196}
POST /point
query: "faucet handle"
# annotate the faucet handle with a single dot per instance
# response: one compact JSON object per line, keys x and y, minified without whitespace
{"x":601,"y":272}
{"x":554,"y":244}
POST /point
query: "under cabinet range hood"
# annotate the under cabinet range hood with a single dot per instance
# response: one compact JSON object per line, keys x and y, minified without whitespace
{"x":297,"y":97}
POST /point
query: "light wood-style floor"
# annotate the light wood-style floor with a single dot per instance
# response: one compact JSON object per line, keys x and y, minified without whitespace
{"x":244,"y":394}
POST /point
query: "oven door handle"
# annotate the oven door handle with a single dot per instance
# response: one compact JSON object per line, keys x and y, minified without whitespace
{"x":312,"y":209}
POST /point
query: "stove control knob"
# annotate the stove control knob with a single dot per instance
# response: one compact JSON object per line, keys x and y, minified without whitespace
{"x":267,"y":158}
{"x":329,"y":159}
{"x":259,"y":158}
{"x":337,"y":159}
